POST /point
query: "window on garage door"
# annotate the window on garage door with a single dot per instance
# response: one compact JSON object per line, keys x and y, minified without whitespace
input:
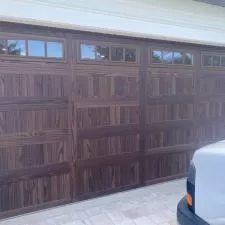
{"x":213,"y":60}
{"x":107,"y":52}
{"x":3,"y":46}
{"x":31,"y":48}
{"x":172,"y":57}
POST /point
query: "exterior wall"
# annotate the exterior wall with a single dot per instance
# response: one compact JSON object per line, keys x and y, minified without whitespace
{"x":179,"y":20}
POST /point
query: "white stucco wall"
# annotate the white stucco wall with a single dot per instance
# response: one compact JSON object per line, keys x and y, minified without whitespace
{"x":180,"y":20}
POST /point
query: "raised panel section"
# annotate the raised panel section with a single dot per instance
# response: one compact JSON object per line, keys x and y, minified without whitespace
{"x":169,"y":112}
{"x":16,"y":121}
{"x":160,"y":84}
{"x":99,"y":180}
{"x":93,"y":117}
{"x":169,"y":137}
{"x":167,"y":165}
{"x":211,"y":133}
{"x":12,"y":158}
{"x":211,"y":109}
{"x":26,"y":85}
{"x":212,"y":85}
{"x":34,"y":192}
{"x":106,"y":87}
{"x":105,"y":146}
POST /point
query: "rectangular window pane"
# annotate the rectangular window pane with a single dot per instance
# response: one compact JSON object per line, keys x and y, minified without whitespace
{"x":2,"y":46}
{"x":130,"y":55}
{"x":216,"y":61}
{"x":167,"y":57}
{"x":117,"y":54}
{"x":55,"y":49}
{"x":157,"y":57}
{"x":36,"y":48}
{"x":16,"y":47}
{"x":188,"y":59}
{"x":178,"y":58}
{"x":102,"y":53}
{"x":87,"y":52}
{"x":207,"y":60}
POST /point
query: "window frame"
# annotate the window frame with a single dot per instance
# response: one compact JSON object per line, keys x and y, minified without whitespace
{"x":182,"y":53}
{"x":151,"y":57}
{"x":33,"y":56}
{"x":93,"y":60}
{"x":26,"y":38}
{"x":118,"y":47}
{"x":110,"y":45}
{"x":168,"y":51}
{"x":54,"y":41}
{"x":124,"y":47}
{"x":7,"y":52}
{"x":93,"y":43}
{"x":223,"y":56}
{"x":212,"y":54}
{"x":173,"y":50}
{"x":130,"y":49}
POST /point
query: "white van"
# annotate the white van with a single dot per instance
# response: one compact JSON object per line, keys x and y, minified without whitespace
{"x":205,"y":200}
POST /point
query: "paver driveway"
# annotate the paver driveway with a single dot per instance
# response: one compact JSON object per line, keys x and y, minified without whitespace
{"x":153,"y":205}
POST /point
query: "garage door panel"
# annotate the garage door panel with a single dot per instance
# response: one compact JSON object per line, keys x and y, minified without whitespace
{"x":211,"y":109}
{"x":16,"y":121}
{"x":106,"y":146}
{"x":27,"y":193}
{"x":170,"y":85}
{"x":19,"y":85}
{"x":106,"y":87}
{"x":26,"y":156}
{"x":170,"y":137}
{"x":212,"y":85}
{"x":93,"y":117}
{"x":169,"y":112}
{"x":105,"y":179}
{"x":170,"y":165}
{"x":38,"y":137}
{"x":211,"y":132}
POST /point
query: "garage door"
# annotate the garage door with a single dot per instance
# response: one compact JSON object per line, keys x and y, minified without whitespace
{"x":84,"y":114}
{"x":34,"y":119}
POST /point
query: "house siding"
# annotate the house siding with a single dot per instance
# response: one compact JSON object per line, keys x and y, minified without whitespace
{"x":186,"y":21}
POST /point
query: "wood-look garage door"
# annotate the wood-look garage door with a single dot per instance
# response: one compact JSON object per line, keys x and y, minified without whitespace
{"x":85,"y":114}
{"x":34,"y":119}
{"x":108,"y":115}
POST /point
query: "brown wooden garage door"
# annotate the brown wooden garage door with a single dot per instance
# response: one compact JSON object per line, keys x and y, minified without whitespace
{"x":85,"y":114}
